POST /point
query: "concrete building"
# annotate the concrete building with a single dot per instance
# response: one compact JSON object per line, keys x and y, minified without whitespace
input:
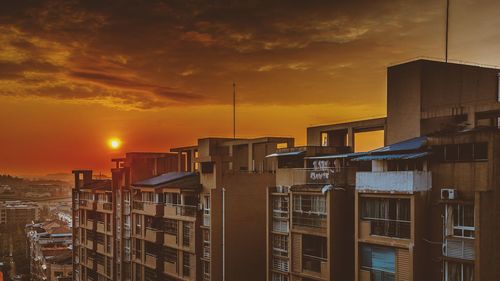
{"x":162,"y":213}
{"x":310,"y":215}
{"x":14,"y":215}
{"x":50,"y":251}
{"x":426,"y":210}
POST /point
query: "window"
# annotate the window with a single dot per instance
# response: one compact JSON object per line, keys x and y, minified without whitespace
{"x":186,"y":264}
{"x":481,"y":151}
{"x":170,"y":255}
{"x":455,"y":271}
{"x":465,"y":152}
{"x":280,"y":245}
{"x":170,"y":226}
{"x":206,"y":243}
{"x":324,"y":139}
{"x":460,"y":219}
{"x":309,"y":210}
{"x":172,"y":198}
{"x":280,"y":206}
{"x":205,"y":270}
{"x":314,"y":252}
{"x":186,"y":233}
{"x":138,"y":251}
{"x":279,"y":277}
{"x":498,"y":87}
{"x":388,"y":216}
{"x":380,"y":261}
{"x":151,"y":197}
{"x":310,"y":204}
{"x":138,"y":224}
{"x":451,"y":152}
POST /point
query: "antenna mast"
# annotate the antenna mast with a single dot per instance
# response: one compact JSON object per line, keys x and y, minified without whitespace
{"x":447,"y":27}
{"x":234,"y":110}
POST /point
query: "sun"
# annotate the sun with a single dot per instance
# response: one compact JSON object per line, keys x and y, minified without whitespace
{"x":114,"y":143}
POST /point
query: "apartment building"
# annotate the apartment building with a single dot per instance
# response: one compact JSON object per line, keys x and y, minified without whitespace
{"x":426,"y":209}
{"x":197,"y":213}
{"x":14,"y":215}
{"x":49,"y":250}
{"x":310,"y":214}
{"x":234,"y":176}
{"x":92,"y":227}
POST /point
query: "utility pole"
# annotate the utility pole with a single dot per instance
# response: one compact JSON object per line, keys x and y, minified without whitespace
{"x":234,"y":110}
{"x":447,"y":27}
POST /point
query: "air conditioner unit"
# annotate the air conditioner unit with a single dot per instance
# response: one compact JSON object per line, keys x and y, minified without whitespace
{"x":448,"y":194}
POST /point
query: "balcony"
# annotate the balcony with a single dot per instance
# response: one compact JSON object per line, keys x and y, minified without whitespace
{"x":173,"y":210}
{"x":385,"y":227}
{"x":101,"y":269}
{"x":459,"y":248}
{"x":315,"y":266}
{"x":89,"y":224}
{"x":100,"y":248}
{"x":322,"y":176}
{"x":104,"y":207}
{"x":170,"y":240}
{"x":309,"y":220}
{"x":153,"y":235}
{"x":170,"y":268}
{"x":87,"y":204}
{"x":395,"y":181}
{"x":148,"y":208}
{"x":151,"y":261}
{"x":89,"y":243}
{"x":100,"y":227}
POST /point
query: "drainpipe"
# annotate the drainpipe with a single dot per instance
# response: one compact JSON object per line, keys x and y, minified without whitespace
{"x":223,"y":234}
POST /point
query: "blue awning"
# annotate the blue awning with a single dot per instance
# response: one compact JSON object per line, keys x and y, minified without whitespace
{"x":164,"y":178}
{"x":336,"y":156}
{"x":407,"y":145}
{"x":406,"y":156}
{"x":291,"y":153}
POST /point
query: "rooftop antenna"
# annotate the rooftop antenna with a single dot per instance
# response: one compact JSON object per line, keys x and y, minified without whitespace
{"x":447,"y":28}
{"x":234,"y":110}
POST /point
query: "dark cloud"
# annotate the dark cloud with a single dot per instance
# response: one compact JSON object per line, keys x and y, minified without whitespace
{"x":147,"y":54}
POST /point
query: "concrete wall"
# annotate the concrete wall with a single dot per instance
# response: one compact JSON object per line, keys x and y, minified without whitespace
{"x":403,"y":101}
{"x":246,"y":225}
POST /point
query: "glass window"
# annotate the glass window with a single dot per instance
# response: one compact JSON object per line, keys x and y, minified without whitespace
{"x":481,"y":151}
{"x":170,"y":255}
{"x":388,"y":216}
{"x":170,"y":226}
{"x":451,"y":152}
{"x":380,"y":261}
{"x":465,"y":152}
{"x":463,"y":220}
{"x":455,"y":271}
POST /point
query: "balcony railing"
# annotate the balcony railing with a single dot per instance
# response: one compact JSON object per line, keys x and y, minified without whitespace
{"x":380,"y":275}
{"x":180,"y":210}
{"x":390,"y":228}
{"x":309,"y":220}
{"x":138,"y":205}
{"x":313,"y":263}
{"x":322,"y":176}
{"x":107,"y":206}
{"x":394,"y":181}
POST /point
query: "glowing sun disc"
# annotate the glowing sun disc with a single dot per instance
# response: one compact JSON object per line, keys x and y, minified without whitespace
{"x":114,"y":143}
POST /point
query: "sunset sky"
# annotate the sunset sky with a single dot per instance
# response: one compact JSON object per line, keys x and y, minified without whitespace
{"x":158,"y":74}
